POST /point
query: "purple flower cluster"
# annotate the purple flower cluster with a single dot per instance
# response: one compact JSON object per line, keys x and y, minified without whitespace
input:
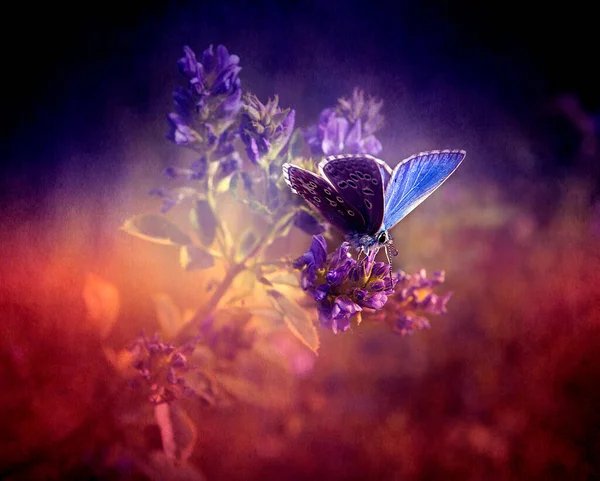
{"x":206,"y":117}
{"x":265,"y":129}
{"x":211,"y":100}
{"x":211,"y":115}
{"x":207,"y":108}
{"x":161,"y":365}
{"x":414,"y":297}
{"x":341,"y":285}
{"x":348,"y":128}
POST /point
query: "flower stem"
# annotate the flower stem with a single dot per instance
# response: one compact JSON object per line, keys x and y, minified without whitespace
{"x":225,"y":237}
{"x":189,"y":330}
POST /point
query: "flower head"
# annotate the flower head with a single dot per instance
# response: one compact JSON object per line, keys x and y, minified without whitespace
{"x":265,"y":129}
{"x":341,"y":285}
{"x":213,"y":93}
{"x":161,"y":365}
{"x":414,"y":297}
{"x":182,"y":133}
{"x":348,"y":128}
{"x":311,"y":261}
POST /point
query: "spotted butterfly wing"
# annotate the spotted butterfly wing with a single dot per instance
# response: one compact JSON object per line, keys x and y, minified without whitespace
{"x":359,"y":181}
{"x":324,"y":198}
{"x":415,"y":179}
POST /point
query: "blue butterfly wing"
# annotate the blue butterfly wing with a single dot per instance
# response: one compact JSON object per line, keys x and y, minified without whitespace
{"x":359,"y":180}
{"x":415,"y":179}
{"x":324,"y":198}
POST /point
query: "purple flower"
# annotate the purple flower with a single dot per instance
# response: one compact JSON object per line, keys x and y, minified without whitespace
{"x":206,"y":109}
{"x":213,"y":94}
{"x":182,"y":134}
{"x":414,"y":297}
{"x":265,"y":129}
{"x":408,"y":324}
{"x":230,"y":164}
{"x":199,"y":168}
{"x":348,"y":128}
{"x":312,"y":261}
{"x":367,"y":111}
{"x":342,"y":286}
{"x":196,"y":171}
{"x":161,"y":365}
{"x":173,"y":197}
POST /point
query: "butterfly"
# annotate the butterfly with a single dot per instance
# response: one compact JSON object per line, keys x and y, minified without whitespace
{"x":364,"y":198}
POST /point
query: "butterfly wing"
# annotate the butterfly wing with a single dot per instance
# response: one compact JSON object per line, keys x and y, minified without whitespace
{"x":415,"y":179}
{"x":386,"y":171}
{"x":324,"y":198}
{"x":359,"y":181}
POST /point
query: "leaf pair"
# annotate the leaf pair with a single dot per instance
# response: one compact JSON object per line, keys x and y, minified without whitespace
{"x":157,"y":229}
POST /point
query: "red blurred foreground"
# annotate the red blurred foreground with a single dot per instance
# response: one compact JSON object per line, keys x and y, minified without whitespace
{"x":504,"y":387}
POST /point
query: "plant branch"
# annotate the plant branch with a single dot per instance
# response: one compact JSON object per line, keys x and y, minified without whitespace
{"x":188,"y":331}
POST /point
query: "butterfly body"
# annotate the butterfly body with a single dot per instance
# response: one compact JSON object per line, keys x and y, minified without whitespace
{"x":364,"y":198}
{"x":367,"y":242}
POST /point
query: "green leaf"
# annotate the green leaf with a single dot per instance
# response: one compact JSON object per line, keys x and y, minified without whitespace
{"x":285,"y":224}
{"x":267,"y":268}
{"x":193,"y":258}
{"x":232,"y":317}
{"x":204,"y":221}
{"x":223,"y":184}
{"x":200,"y":384}
{"x":177,"y":431}
{"x":265,"y":320}
{"x":286,"y":278}
{"x":267,"y":314}
{"x":265,"y":281}
{"x":296,"y":319}
{"x":259,"y":208}
{"x":247,"y":242}
{"x":234,"y":184}
{"x":169,"y":315}
{"x":241,"y":288}
{"x":155,"y":228}
{"x":249,"y":392}
{"x":296,"y":146}
{"x":240,"y":185}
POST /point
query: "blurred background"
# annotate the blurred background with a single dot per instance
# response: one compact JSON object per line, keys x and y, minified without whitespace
{"x":505,"y":386}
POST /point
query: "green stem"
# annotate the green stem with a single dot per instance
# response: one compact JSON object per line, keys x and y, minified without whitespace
{"x":224,"y":238}
{"x":190,"y":329}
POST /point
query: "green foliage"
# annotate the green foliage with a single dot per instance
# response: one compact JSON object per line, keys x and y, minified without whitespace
{"x":296,"y":318}
{"x":156,"y":228}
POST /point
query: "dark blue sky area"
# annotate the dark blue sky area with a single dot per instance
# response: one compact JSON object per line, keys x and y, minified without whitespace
{"x":66,"y":69}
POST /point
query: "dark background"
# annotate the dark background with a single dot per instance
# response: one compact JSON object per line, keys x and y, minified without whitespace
{"x":512,"y":369}
{"x":68,"y":68}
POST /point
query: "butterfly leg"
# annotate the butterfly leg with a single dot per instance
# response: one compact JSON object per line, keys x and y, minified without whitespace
{"x":390,"y":246}
{"x":387,"y":254}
